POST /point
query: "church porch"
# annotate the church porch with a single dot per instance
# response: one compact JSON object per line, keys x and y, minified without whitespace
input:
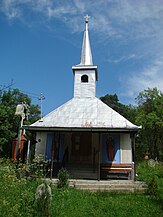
{"x":88,"y":155}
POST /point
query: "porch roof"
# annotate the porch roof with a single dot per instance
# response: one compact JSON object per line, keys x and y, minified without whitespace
{"x":83,"y":114}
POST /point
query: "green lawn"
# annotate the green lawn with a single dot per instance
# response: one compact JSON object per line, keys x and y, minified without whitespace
{"x":17,"y":199}
{"x":79,"y":203}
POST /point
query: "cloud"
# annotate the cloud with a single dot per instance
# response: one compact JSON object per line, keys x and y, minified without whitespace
{"x":123,"y":58}
{"x":110,"y":18}
{"x":134,"y":29}
{"x":150,"y":77}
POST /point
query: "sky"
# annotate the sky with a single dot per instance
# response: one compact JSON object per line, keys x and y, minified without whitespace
{"x":40,"y":41}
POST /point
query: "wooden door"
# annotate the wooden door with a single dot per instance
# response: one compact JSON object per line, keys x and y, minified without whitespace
{"x":81,"y":147}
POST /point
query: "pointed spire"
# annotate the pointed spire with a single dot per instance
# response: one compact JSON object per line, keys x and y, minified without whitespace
{"x":86,"y":55}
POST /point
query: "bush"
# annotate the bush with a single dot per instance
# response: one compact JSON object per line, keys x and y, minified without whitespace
{"x":63,"y":177}
{"x":145,"y":171}
{"x":38,"y":167}
{"x":153,"y":186}
{"x":153,"y":176}
{"x":16,"y":193}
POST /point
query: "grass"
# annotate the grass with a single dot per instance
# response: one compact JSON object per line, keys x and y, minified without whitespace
{"x":17,"y":198}
{"x":16,"y":195}
{"x":79,"y":203}
{"x":146,"y":173}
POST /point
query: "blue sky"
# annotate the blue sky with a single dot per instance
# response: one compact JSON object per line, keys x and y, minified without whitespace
{"x":40,"y":40}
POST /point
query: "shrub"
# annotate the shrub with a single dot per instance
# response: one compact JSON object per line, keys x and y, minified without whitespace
{"x":16,"y":193}
{"x":38,"y":167}
{"x":63,"y":177}
{"x":153,"y":186}
{"x":146,"y":172}
{"x":34,"y":170}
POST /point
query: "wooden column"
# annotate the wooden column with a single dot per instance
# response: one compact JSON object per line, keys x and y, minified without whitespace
{"x":133,"y":157}
{"x":99,"y":156}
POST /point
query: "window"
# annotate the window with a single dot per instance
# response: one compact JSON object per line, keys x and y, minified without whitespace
{"x":84,"y":78}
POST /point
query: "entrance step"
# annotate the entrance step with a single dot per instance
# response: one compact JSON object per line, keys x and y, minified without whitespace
{"x":108,"y":185}
{"x":82,"y":171}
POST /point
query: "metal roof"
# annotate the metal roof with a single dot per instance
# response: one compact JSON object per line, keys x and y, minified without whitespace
{"x":86,"y":54}
{"x":84,"y":113}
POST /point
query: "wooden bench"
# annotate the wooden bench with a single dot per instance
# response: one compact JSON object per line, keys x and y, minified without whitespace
{"x":116,"y":171}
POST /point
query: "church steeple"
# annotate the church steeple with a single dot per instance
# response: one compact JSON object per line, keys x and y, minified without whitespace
{"x":85,"y":73}
{"x":86,"y":54}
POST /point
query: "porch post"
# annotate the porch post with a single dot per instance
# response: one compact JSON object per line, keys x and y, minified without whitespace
{"x":28,"y":151}
{"x":52,"y":157}
{"x":99,"y":156}
{"x":133,"y":157}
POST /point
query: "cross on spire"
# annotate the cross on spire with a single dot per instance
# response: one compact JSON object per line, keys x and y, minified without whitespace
{"x":86,"y":18}
{"x":86,"y":55}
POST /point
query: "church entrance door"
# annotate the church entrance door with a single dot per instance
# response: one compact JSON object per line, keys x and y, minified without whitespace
{"x":81,"y":147}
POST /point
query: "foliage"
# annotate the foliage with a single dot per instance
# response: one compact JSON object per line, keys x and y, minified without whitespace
{"x":71,"y":202}
{"x":63,"y":177}
{"x":153,"y":176}
{"x":146,"y":172}
{"x":9,"y":122}
{"x":38,"y":166}
{"x":128,"y":111}
{"x":153,"y":186}
{"x":16,"y":195}
{"x":150,"y":116}
{"x":36,"y":169}
{"x":17,"y":198}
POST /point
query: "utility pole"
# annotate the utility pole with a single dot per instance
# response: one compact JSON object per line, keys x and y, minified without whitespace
{"x":4,"y":87}
{"x":41,"y":98}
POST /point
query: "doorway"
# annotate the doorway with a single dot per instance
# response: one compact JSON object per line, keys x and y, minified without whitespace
{"x":81,"y":151}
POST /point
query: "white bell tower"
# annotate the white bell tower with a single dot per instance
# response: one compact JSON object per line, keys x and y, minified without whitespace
{"x":85,"y":74}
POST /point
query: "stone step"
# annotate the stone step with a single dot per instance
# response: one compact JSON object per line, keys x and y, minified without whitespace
{"x":83,"y":176}
{"x":106,"y":185}
{"x":82,"y":171}
{"x":112,"y":185}
{"x":108,"y":189}
{"x":81,"y":167}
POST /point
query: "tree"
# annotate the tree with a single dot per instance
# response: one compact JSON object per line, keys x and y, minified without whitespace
{"x":128,"y":111}
{"x":9,"y":122}
{"x":150,"y":116}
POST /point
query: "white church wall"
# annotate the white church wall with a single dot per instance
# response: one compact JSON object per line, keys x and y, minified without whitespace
{"x":126,"y":150}
{"x":85,"y":89}
{"x":41,"y":143}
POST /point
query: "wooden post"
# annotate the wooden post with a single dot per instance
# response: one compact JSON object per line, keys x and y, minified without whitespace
{"x":28,"y":151}
{"x":99,"y":157}
{"x":52,"y":157}
{"x":133,"y":157}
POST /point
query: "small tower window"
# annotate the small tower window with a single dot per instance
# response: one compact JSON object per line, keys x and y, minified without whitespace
{"x":84,"y":78}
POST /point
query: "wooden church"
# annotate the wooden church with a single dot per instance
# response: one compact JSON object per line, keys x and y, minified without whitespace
{"x":84,"y":135}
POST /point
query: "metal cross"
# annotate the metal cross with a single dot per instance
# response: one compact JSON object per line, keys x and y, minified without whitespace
{"x":86,"y":18}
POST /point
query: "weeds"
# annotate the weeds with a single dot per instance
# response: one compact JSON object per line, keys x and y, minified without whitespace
{"x":153,"y":186}
{"x":63,"y":177}
{"x":17,"y":197}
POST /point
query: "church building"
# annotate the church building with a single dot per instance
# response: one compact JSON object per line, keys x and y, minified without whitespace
{"x":84,"y":135}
